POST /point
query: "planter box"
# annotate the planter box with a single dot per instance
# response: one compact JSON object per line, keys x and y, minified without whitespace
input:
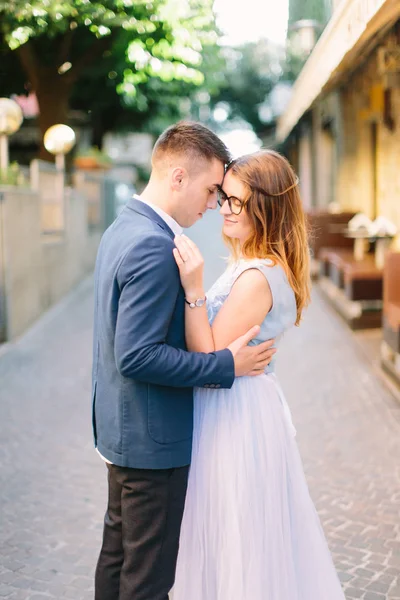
{"x":89,"y":163}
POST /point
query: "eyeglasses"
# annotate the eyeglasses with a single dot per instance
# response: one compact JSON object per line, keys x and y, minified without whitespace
{"x":236,"y":205}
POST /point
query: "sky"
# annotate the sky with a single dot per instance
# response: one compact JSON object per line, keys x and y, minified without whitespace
{"x":249,"y":20}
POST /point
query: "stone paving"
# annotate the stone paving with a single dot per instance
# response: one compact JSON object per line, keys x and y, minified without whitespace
{"x":348,"y":427}
{"x":52,"y":484}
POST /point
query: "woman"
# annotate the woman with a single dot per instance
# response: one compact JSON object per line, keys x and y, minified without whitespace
{"x":250,"y":530}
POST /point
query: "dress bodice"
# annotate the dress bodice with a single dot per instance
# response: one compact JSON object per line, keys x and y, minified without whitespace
{"x":283,"y":312}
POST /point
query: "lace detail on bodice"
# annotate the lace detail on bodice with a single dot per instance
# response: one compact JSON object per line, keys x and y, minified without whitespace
{"x":220,"y":290}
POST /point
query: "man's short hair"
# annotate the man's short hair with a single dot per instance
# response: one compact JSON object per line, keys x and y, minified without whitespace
{"x":191,"y":140}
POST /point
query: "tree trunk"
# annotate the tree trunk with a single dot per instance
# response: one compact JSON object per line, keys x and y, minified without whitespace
{"x":53,"y":98}
{"x":53,"y":90}
{"x":97,"y":128}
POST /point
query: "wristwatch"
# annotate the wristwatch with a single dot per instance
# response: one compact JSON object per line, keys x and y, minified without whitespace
{"x":197,"y":303}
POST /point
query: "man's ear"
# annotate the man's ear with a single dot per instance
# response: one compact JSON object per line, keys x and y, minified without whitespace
{"x":179,"y":178}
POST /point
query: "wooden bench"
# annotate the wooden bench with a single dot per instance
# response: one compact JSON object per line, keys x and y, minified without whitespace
{"x":329,"y":258}
{"x":324,"y":230}
{"x":354,"y":287}
{"x":390,"y":350}
{"x":341,"y":267}
{"x":391,"y":301}
{"x":363,"y":280}
{"x":325,"y":234}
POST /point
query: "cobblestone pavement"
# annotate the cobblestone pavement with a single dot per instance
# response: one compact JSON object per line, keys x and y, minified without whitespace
{"x":348,"y":428}
{"x":52,"y":484}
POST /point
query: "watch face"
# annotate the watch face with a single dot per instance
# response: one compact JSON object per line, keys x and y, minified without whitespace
{"x":200,"y":302}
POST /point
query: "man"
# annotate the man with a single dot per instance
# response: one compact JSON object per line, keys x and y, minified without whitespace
{"x":143,"y":377}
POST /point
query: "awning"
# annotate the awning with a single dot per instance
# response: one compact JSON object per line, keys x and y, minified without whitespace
{"x":352,"y":26}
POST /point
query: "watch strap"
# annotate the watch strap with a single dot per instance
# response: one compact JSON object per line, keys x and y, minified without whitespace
{"x":197,"y":303}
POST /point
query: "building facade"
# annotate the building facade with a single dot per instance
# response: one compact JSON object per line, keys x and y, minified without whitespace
{"x":341,"y":128}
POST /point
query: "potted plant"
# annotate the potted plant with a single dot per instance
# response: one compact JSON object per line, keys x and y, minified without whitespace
{"x":92,"y":158}
{"x":12,"y":175}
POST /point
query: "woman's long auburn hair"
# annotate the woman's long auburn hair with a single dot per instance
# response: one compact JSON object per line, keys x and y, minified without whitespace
{"x":279,"y":224}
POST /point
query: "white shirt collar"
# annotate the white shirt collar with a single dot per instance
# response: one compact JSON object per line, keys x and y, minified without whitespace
{"x":172,"y":224}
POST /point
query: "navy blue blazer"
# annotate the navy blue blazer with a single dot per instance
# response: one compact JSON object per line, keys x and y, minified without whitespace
{"x":143,"y":377}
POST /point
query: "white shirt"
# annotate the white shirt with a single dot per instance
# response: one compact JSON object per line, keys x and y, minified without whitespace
{"x":172,"y":224}
{"x":177,"y":230}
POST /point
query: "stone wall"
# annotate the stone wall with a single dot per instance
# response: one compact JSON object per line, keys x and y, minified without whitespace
{"x":348,"y":152}
{"x":39,"y":265}
{"x":368,"y":170}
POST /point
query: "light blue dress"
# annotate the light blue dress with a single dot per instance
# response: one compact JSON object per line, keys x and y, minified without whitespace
{"x":250,"y":530}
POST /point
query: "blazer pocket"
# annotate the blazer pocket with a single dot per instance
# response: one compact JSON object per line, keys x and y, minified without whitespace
{"x":170,"y":414}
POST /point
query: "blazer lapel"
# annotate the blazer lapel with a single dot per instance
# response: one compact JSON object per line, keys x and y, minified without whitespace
{"x":145,"y":210}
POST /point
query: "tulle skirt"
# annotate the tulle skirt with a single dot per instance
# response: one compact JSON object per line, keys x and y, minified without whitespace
{"x":250,"y":530}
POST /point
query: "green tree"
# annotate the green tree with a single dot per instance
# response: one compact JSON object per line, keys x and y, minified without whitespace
{"x":252,"y":71}
{"x":156,"y":102}
{"x":123,"y":46}
{"x":318,"y":10}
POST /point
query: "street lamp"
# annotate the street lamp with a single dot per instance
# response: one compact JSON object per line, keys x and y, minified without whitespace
{"x":59,"y":140}
{"x":11,"y":118}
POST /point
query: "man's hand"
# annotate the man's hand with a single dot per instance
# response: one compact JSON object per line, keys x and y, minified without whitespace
{"x":251,"y":360}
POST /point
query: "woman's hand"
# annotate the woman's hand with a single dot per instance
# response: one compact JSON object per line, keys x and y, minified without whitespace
{"x":191,"y":266}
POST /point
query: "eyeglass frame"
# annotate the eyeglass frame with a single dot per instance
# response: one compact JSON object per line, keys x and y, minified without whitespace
{"x":221,"y":193}
{"x":222,"y":198}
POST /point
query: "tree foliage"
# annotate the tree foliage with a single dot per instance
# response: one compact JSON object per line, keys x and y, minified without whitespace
{"x":318,"y":10}
{"x":252,"y":71}
{"x":138,"y":49}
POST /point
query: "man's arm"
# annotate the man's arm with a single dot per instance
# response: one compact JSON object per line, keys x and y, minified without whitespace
{"x":149,"y":283}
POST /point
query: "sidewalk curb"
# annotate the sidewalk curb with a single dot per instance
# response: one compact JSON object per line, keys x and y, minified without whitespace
{"x":379,"y":371}
{"x":82,"y":288}
{"x":375,"y":362}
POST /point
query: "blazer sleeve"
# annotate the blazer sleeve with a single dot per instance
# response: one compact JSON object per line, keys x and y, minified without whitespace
{"x":149,"y":284}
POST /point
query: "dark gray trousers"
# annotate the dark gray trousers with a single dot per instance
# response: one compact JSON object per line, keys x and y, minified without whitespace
{"x":141,"y":533}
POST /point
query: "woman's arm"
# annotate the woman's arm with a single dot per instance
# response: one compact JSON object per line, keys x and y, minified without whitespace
{"x":247,"y":305}
{"x":249,"y":301}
